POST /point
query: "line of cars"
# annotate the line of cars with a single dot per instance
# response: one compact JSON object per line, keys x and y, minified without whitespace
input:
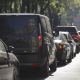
{"x":32,"y":37}
{"x":36,"y":46}
{"x":67,"y":43}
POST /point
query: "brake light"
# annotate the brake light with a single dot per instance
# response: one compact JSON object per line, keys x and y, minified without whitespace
{"x":8,"y":15}
{"x":32,"y":64}
{"x":77,"y":36}
{"x":40,"y":37}
{"x":59,"y":46}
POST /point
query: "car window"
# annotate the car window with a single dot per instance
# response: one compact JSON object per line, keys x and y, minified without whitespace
{"x":69,"y":37}
{"x":2,"y":47}
{"x":48,"y":26}
{"x":69,"y":29}
{"x":64,"y":38}
{"x":24,"y":25}
{"x":43,"y":24}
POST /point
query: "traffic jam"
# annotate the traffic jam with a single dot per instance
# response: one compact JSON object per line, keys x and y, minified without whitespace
{"x":33,"y":45}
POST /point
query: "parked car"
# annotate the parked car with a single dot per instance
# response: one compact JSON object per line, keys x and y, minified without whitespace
{"x":74,"y":33}
{"x":79,"y":32}
{"x":63,"y":49}
{"x":79,"y":39}
{"x":32,"y":37}
{"x":71,"y":41}
{"x":9,"y":64}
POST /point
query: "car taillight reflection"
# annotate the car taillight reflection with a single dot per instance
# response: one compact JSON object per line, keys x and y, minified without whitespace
{"x":59,"y":46}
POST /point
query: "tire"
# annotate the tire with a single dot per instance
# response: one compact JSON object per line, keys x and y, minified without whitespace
{"x":70,"y":58}
{"x":72,"y":55}
{"x":63,"y":62}
{"x":77,"y":49}
{"x":15,"y":73}
{"x":53,"y":66}
{"x":45,"y":68}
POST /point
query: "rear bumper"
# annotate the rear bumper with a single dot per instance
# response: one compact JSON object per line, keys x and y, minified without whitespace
{"x":31,"y":60}
{"x":61,"y":55}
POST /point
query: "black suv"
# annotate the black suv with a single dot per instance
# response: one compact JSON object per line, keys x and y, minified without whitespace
{"x":32,"y":37}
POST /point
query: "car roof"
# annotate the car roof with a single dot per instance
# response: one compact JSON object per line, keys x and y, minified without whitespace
{"x":23,"y":14}
{"x":66,"y":26}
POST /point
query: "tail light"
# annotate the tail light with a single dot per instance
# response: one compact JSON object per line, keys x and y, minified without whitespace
{"x":59,"y":46}
{"x":77,"y":36}
{"x":40,"y":37}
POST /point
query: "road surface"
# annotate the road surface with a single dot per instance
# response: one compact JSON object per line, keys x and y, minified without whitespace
{"x":71,"y":71}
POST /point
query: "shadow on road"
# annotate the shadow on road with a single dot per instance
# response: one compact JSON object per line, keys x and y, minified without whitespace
{"x":33,"y":75}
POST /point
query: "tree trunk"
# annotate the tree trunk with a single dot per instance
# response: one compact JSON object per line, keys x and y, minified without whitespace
{"x":35,"y":7}
{"x":43,"y":9}
{"x":11,"y":7}
{"x":28,"y":7}
{"x":23,"y":6}
{"x":41,"y":12}
{"x":50,"y":16}
{"x":16,"y":8}
{"x":55,"y":21}
{"x":5,"y":6}
{"x":1,"y":6}
{"x":32,"y":7}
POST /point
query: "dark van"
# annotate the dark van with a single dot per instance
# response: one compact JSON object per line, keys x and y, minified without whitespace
{"x":32,"y":37}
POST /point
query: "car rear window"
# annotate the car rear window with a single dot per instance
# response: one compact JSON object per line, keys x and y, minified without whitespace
{"x":6,"y":25}
{"x":69,"y":29}
{"x":24,"y":24}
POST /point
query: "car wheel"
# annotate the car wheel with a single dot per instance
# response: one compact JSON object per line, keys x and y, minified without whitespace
{"x":63,"y":62}
{"x":77,"y":49}
{"x":53,"y":66}
{"x":15,"y":74}
{"x":70,"y":58}
{"x":72,"y":55}
{"x":45,"y":68}
{"x":75,"y":55}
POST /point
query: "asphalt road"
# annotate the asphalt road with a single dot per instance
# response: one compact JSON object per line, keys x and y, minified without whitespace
{"x":71,"y":71}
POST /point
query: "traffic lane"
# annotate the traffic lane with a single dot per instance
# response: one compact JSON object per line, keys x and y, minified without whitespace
{"x":70,"y":71}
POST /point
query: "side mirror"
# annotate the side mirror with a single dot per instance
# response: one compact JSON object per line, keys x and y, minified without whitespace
{"x":56,"y":32}
{"x":11,"y":49}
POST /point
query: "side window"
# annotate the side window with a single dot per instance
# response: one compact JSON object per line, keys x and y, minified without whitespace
{"x":43,"y":24}
{"x":2,"y":48}
{"x":61,"y":37}
{"x":48,"y":26}
{"x":69,"y":37}
{"x":64,"y":38}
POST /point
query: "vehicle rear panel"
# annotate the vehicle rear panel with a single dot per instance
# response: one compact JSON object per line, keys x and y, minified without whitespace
{"x":21,"y":32}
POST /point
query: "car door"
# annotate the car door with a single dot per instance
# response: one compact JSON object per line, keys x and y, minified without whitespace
{"x":51,"y":46}
{"x":68,"y":47}
{"x":73,"y":43}
{"x":3,"y":61}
